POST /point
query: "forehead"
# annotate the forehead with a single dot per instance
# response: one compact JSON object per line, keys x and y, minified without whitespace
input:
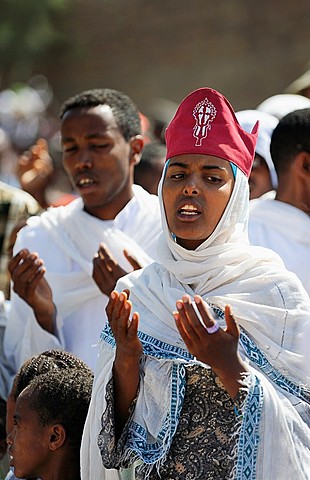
{"x":87,"y":121}
{"x":23,"y":410}
{"x":197,"y":161}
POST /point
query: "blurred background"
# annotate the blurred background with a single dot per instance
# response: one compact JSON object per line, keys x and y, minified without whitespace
{"x":247,"y":49}
{"x":156,"y":51}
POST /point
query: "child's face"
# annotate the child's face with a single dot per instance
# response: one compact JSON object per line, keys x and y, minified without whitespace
{"x":28,"y":444}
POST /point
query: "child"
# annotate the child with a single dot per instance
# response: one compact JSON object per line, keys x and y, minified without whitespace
{"x":48,"y":424}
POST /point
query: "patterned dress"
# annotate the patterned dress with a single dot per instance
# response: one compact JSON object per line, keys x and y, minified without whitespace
{"x":204,"y":445}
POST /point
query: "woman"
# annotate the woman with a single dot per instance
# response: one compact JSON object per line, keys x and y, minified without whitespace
{"x":182,"y":393}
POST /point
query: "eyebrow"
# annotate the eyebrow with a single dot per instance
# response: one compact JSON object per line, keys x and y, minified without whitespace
{"x":205,"y":167}
{"x":88,"y":137}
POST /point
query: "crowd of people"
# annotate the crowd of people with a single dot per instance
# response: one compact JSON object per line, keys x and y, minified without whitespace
{"x":154,"y":312}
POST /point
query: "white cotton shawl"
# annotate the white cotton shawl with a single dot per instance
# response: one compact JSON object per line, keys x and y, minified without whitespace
{"x":268,"y":302}
{"x":78,"y":235}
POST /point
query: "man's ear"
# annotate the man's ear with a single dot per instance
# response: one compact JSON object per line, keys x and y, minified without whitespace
{"x":57,"y":436}
{"x":136,"y":147}
{"x":302,"y":162}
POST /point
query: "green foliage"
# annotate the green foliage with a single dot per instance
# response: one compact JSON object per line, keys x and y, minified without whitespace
{"x":28,"y":30}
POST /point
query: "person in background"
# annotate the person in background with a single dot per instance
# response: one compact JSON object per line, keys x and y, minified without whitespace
{"x":263,"y":177}
{"x":4,"y":459}
{"x":15,"y":206}
{"x":56,"y":302}
{"x":42,"y":364}
{"x":48,"y":424}
{"x":283,"y":223}
{"x":42,"y":177}
{"x":300,"y":86}
{"x":200,"y":367}
{"x":281,"y":104}
{"x":148,"y":172}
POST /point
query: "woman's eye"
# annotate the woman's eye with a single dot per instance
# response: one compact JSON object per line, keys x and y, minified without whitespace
{"x":212,"y":179}
{"x":177,"y":176}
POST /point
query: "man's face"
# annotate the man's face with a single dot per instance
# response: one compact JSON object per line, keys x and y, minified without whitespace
{"x":196,"y":191}
{"x":28,"y":444}
{"x":259,"y":181}
{"x":98,"y":159}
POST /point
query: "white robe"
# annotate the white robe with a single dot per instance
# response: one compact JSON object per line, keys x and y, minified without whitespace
{"x":272,"y":309}
{"x":67,"y":238}
{"x":286,"y":230}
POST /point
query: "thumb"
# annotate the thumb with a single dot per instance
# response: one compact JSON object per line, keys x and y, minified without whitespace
{"x":232,"y":326}
{"x":132,"y":260}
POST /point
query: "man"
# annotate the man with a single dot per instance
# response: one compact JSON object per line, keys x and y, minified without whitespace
{"x":57,"y":302}
{"x":148,"y":171}
{"x":263,"y":177}
{"x":283,"y":224}
{"x":15,"y":207}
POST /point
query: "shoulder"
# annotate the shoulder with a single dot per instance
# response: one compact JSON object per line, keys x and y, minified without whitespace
{"x":19,"y":197}
{"x":145,"y":197}
{"x":143,"y":276}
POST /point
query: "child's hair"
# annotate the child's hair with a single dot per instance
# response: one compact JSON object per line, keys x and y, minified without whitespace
{"x":43,"y":363}
{"x":61,"y":396}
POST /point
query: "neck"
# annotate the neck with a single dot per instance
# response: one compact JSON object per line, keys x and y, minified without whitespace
{"x":65,"y":466}
{"x":111,"y":210}
{"x":294,"y":193}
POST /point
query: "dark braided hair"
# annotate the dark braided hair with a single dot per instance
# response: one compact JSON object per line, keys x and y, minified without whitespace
{"x":43,"y":363}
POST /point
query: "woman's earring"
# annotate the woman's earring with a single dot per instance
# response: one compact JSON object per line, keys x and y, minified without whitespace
{"x":174,"y":237}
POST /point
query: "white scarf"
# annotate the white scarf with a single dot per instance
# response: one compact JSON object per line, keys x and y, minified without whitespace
{"x":78,"y":234}
{"x":268,"y":302}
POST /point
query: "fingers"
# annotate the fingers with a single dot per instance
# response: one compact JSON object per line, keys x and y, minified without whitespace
{"x":105,"y":254}
{"x":25,"y":266}
{"x":118,"y":312}
{"x":186,"y":320}
{"x":205,"y":312}
{"x":132,"y":260}
{"x":133,"y":326}
{"x":110,"y":305}
{"x":16,"y":260}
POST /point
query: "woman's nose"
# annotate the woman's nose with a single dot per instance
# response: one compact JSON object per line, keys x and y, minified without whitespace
{"x":190,"y":189}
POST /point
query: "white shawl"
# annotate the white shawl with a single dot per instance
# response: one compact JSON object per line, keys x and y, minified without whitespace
{"x":269,"y":304}
{"x":67,"y":238}
{"x":78,"y":234}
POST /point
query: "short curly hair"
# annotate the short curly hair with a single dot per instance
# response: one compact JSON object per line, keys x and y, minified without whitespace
{"x":45,"y":362}
{"x":291,"y":135}
{"x":61,"y":396}
{"x":124,"y":110}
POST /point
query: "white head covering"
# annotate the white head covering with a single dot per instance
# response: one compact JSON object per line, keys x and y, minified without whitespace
{"x":283,"y":103}
{"x":267,"y":301}
{"x":267,"y":124}
{"x":269,"y":304}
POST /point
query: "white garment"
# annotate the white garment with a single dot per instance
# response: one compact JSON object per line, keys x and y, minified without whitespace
{"x":67,"y":238}
{"x":286,"y":230}
{"x":270,"y":305}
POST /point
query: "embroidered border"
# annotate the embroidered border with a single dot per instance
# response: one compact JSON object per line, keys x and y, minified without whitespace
{"x":249,"y":433}
{"x":151,"y":453}
{"x":258,"y":358}
{"x":151,"y":346}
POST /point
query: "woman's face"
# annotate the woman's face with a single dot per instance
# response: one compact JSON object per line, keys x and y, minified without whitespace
{"x":196,"y":190}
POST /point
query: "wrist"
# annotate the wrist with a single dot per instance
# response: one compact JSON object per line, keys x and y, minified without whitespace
{"x":46,"y":318}
{"x":232,"y":375}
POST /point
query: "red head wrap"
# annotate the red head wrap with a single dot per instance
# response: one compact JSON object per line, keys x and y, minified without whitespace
{"x":205,"y":123}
